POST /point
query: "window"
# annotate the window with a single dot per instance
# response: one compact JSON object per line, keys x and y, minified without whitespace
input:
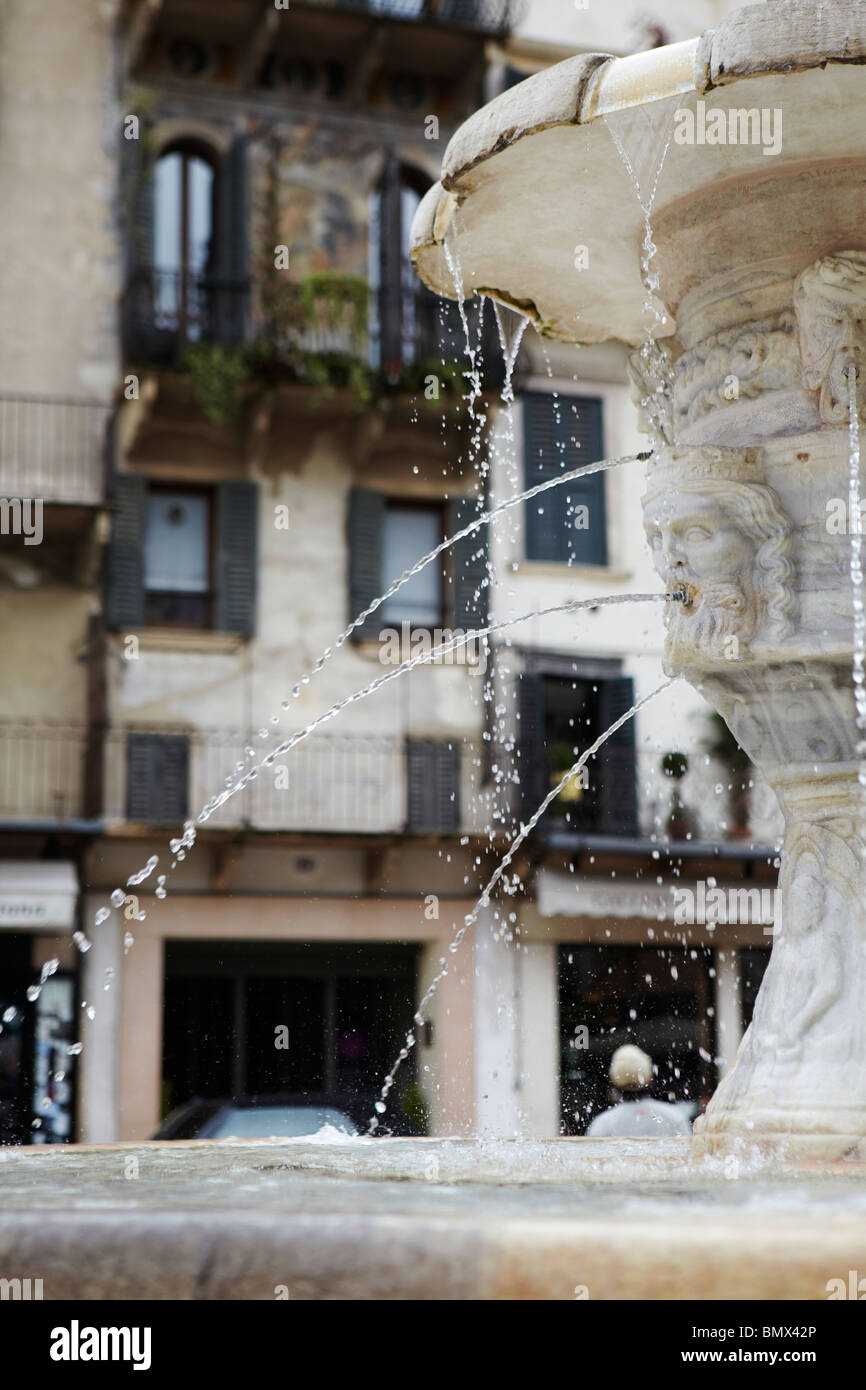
{"x":183,"y":241}
{"x":182,"y":556}
{"x":433,"y":786}
{"x":411,"y":531}
{"x":157,"y":777}
{"x":177,"y":557}
{"x":568,"y":524}
{"x":386,"y":537}
{"x":560,"y":717}
{"x":405,"y":314}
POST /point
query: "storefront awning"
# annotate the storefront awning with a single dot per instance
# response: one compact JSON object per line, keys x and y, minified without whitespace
{"x":36,"y":895}
{"x":702,"y":902}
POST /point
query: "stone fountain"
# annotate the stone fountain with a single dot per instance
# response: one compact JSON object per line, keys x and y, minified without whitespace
{"x":745,"y":321}
{"x":743,"y":292}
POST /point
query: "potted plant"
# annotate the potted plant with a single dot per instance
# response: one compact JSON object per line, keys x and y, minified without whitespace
{"x":722,"y":746}
{"x":675,"y":765}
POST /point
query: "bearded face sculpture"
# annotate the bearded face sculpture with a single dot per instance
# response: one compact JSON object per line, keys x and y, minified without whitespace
{"x":724,"y":544}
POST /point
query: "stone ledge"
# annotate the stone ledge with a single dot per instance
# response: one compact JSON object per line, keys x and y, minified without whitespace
{"x":424,"y":1219}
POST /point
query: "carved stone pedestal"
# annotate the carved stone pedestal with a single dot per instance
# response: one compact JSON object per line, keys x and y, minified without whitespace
{"x":759,"y":539}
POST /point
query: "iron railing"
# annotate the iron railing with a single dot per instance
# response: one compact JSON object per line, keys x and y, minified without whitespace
{"x":42,"y":771}
{"x":165,"y":311}
{"x":53,"y":448}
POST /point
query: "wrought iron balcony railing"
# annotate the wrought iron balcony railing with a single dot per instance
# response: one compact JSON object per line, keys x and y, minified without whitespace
{"x":167,"y":311}
{"x":162,"y":776}
{"x":53,"y":448}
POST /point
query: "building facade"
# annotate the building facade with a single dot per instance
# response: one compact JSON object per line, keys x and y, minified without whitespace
{"x":239,"y":418}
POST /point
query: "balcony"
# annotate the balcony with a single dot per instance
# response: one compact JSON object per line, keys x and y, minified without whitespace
{"x":162,"y":775}
{"x":352,"y":331}
{"x":54,"y":448}
{"x":42,"y":772}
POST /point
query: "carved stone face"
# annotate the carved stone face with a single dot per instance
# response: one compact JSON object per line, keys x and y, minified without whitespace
{"x":696,"y":544}
{"x":830,"y":302}
{"x":692,"y":539}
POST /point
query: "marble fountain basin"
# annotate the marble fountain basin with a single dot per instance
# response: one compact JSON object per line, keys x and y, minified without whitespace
{"x":416,"y":1219}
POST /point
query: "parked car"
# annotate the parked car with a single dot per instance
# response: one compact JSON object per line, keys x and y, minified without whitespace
{"x":256,"y":1117}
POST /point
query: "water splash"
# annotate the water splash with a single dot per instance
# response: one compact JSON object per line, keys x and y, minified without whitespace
{"x":471,"y":918}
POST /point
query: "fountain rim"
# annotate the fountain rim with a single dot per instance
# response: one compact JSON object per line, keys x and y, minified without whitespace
{"x":761,"y":40}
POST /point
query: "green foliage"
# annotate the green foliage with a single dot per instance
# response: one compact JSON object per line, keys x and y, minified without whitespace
{"x":217,"y":371}
{"x":675,"y":765}
{"x":415,"y":1107}
{"x":722,"y":745}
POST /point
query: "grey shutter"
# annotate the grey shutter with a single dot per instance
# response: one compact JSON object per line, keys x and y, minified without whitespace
{"x":532,"y":749}
{"x":433,"y":786}
{"x":559,"y":435}
{"x":137,"y":214}
{"x":233,"y":252}
{"x":237,"y":557}
{"x":366,"y":522}
{"x":615,"y":760}
{"x":469,"y":565}
{"x":157,"y":778}
{"x":124,"y":566}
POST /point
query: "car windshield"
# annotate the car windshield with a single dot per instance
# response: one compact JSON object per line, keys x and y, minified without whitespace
{"x":278,"y":1122}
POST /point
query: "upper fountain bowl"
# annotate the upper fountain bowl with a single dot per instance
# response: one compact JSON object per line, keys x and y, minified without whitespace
{"x":766,"y":170}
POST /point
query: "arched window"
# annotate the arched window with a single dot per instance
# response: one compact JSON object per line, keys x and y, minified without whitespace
{"x":184,"y":189}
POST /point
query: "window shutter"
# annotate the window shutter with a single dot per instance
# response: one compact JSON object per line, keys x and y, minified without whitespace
{"x":469,"y":565}
{"x":433,"y":790}
{"x":366,"y":522}
{"x":615,"y":761}
{"x":237,"y":557}
{"x":556,"y":439}
{"x":233,"y":261}
{"x":532,"y":751}
{"x":390,"y":268}
{"x":136,"y":187}
{"x":157,"y":778}
{"x":124,"y":568}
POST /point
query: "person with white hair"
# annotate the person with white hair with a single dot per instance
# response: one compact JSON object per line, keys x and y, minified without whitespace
{"x":636,"y":1115}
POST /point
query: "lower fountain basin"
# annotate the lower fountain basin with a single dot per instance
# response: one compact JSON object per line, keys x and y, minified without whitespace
{"x":427,"y":1219}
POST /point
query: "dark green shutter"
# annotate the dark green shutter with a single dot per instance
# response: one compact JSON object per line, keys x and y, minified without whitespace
{"x":237,"y":557}
{"x":531,"y":747}
{"x":157,"y":778}
{"x":469,"y":565}
{"x":124,"y":567}
{"x":136,"y":191}
{"x":366,"y":521}
{"x":433,"y":786}
{"x":615,"y":777}
{"x":233,"y":258}
{"x":559,"y":435}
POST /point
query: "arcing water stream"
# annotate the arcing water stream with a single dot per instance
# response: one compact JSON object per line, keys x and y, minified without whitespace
{"x":472,"y":917}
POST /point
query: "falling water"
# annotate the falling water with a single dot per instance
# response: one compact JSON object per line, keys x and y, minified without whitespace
{"x":471,"y":918}
{"x":510,"y":344}
{"x":656,"y":361}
